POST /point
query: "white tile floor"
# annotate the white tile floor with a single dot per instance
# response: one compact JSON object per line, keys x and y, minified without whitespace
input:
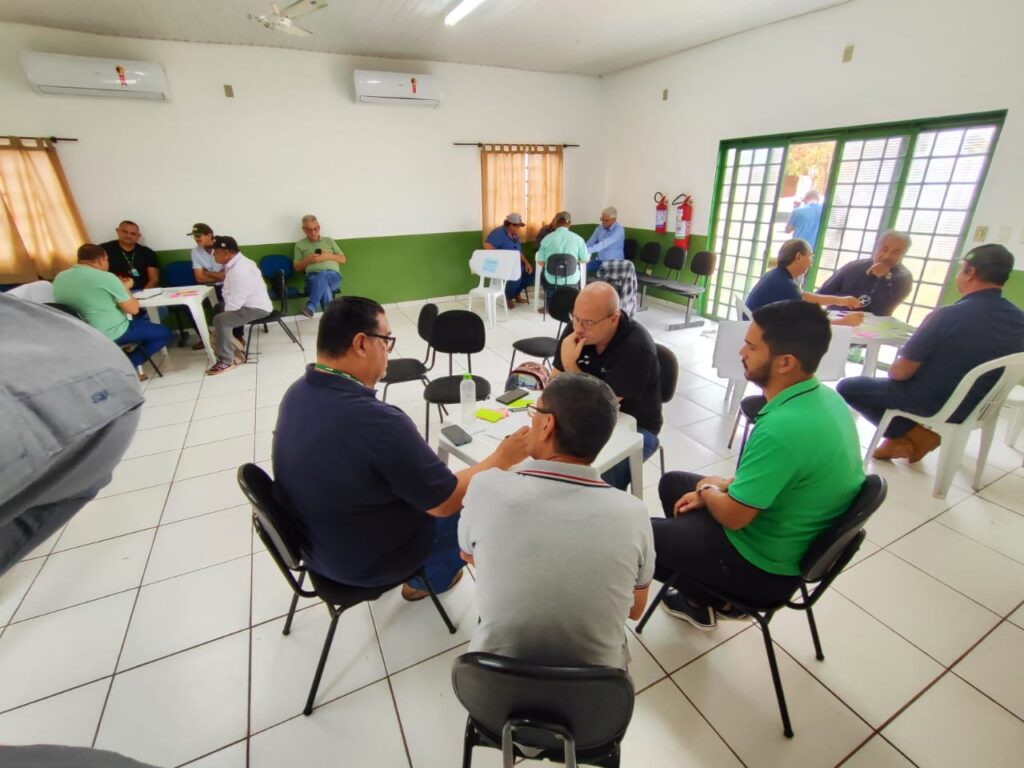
{"x":151,"y":624}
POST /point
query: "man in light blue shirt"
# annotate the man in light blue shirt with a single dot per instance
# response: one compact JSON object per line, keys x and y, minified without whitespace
{"x":803,"y":221}
{"x":606,"y":244}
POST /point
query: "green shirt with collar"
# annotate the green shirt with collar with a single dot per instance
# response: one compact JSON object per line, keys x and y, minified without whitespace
{"x":304,"y":249}
{"x":801,"y":468}
{"x":563,"y":240}
{"x":95,"y":293}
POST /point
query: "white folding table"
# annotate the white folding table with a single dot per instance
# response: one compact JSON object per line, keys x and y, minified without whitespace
{"x":625,"y":443}
{"x":876,"y":332}
{"x":191,"y":296}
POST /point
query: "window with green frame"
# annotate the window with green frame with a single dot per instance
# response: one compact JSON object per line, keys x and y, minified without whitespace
{"x":921,"y":177}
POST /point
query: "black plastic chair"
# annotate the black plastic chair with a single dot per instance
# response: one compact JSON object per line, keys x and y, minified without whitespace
{"x":456,"y":332}
{"x":702,"y":265}
{"x":667,"y":388}
{"x":558,"y":265}
{"x":562,"y":301}
{"x":574,"y":715}
{"x":276,"y":316}
{"x":650,"y":255}
{"x":128,"y":348}
{"x":749,"y":408}
{"x":630,"y":247}
{"x":403,"y":369}
{"x":274,"y":527}
{"x":827,"y":556}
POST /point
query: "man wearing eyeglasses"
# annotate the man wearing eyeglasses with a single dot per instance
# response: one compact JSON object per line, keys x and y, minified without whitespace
{"x":608,"y":242}
{"x":321,"y":259}
{"x":553,"y":521}
{"x":604,"y":342}
{"x":371,"y":501}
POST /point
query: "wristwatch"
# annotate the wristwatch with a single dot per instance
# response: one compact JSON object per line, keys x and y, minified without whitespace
{"x":711,"y":486}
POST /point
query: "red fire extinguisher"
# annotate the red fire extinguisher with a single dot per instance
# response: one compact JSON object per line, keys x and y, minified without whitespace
{"x":684,"y":215}
{"x":660,"y":212}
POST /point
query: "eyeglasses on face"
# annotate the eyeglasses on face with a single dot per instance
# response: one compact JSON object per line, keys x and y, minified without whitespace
{"x":587,"y":324}
{"x":389,"y":341}
{"x":532,"y":410}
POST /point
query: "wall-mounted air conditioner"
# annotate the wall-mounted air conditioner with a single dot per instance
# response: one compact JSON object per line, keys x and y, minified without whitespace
{"x":84,"y":76}
{"x":397,"y":88}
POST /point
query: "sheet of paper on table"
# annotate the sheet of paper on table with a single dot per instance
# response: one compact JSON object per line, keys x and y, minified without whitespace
{"x":506,"y":427}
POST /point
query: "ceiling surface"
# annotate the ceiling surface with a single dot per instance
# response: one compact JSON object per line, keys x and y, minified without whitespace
{"x":586,"y":37}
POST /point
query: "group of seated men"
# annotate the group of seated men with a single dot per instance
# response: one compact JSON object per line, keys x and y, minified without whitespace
{"x":101,"y":284}
{"x":606,"y":243}
{"x":373,"y":502}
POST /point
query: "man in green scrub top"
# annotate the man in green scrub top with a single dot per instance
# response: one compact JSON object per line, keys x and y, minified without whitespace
{"x":800,"y":470}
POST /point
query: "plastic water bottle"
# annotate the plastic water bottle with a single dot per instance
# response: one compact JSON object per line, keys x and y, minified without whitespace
{"x":467,"y":399}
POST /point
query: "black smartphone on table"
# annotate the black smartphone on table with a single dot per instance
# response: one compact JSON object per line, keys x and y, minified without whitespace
{"x":456,"y":434}
{"x":511,"y":396}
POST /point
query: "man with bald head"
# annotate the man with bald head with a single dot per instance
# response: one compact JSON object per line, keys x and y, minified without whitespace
{"x":604,"y":342}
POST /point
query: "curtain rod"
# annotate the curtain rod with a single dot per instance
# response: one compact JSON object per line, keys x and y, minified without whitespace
{"x":48,"y":138}
{"x":481,"y":143}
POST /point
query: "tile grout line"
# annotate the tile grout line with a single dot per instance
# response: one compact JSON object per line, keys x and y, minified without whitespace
{"x":391,"y":690}
{"x":135,"y":602}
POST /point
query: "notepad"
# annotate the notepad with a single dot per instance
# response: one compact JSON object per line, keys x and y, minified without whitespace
{"x":492,"y":414}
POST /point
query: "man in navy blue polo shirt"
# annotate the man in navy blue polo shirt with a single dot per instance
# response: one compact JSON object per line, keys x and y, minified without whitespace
{"x":506,"y":238}
{"x":780,"y":284}
{"x":370,"y":499}
{"x":951,"y":341}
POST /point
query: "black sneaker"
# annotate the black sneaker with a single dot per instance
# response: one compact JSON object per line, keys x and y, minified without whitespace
{"x":700,"y":616}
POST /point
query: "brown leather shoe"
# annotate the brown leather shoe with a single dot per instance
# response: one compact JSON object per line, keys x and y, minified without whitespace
{"x":923,"y":441}
{"x":894,"y":448}
{"x":510,"y":303}
{"x":521,"y":299}
{"x":412,"y":594}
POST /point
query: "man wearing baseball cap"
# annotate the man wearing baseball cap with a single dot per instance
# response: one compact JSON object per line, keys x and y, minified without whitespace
{"x":205,"y":268}
{"x":951,"y":341}
{"x":245,"y":300}
{"x":506,"y":238}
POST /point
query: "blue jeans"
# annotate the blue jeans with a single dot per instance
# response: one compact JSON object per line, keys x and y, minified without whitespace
{"x":514,"y":287}
{"x":443,"y":562}
{"x":320,"y":287}
{"x":618,"y":476}
{"x":151,"y":336}
{"x":871,"y":398}
{"x":593,"y":265}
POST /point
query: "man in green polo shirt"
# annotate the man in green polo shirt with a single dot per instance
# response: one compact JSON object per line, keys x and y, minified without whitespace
{"x":562,"y":240}
{"x":321,"y":259}
{"x":800,"y":470}
{"x":102,"y":299}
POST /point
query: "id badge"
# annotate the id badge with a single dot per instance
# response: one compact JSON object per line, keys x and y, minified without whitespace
{"x":135,"y":272}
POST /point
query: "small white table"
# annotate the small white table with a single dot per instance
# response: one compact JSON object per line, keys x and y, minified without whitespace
{"x":625,"y":443}
{"x":876,"y":332}
{"x":191,"y":296}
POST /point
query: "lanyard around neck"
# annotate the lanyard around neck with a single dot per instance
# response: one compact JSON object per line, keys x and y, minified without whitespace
{"x":336,"y":372}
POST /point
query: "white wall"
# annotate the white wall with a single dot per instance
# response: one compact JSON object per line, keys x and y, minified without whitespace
{"x":913,"y":59}
{"x":292,"y":140}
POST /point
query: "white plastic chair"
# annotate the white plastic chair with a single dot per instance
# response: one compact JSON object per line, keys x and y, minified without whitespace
{"x":726,"y":360}
{"x":1016,"y":404}
{"x":742,"y":311}
{"x":954,"y":436}
{"x":39,"y":292}
{"x":494,"y":268}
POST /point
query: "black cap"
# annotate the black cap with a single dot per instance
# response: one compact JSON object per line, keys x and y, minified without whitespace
{"x":225,"y":242}
{"x":200,"y":229}
{"x":993,"y":262}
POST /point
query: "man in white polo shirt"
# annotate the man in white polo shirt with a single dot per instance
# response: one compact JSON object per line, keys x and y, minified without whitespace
{"x":245,"y":300}
{"x":561,"y":558}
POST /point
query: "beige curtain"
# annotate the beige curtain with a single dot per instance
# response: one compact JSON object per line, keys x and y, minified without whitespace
{"x":545,"y":188}
{"x":520,"y":178}
{"x":40,"y":229}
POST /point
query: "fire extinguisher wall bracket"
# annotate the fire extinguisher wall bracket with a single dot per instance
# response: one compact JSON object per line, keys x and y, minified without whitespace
{"x":684,"y":217}
{"x":660,"y":212}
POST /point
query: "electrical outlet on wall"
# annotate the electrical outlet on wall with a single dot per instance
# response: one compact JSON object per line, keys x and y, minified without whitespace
{"x":980,"y":234}
{"x":847,"y":54}
{"x":1004,"y":234}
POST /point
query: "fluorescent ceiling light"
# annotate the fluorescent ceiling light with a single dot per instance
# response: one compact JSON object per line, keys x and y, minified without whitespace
{"x":461,"y":11}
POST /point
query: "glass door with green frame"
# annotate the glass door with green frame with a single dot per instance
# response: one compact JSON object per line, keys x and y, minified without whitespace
{"x":749,"y":182}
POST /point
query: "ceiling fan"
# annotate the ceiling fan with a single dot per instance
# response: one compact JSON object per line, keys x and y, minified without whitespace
{"x":283,"y":21}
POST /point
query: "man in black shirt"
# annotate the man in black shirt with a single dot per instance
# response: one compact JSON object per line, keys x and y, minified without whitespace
{"x":605,"y":343}
{"x":881,"y":282}
{"x":128,"y":258}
